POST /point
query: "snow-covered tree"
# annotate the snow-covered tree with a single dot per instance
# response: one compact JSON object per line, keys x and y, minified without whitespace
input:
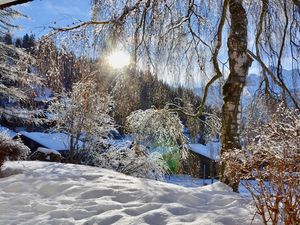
{"x":15,"y":81}
{"x":13,"y":70}
{"x":156,"y":128}
{"x":84,"y":115}
{"x":59,"y":66}
{"x":161,"y":131}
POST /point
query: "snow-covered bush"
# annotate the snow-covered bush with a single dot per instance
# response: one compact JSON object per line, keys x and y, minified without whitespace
{"x":134,"y":161}
{"x":270,"y":167}
{"x":84,"y":115}
{"x":11,"y":149}
{"x":157,"y":128}
{"x":160,"y":130}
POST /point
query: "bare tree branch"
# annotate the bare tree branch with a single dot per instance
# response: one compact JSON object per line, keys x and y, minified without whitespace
{"x":215,"y":58}
{"x":281,"y":85}
{"x":118,"y":20}
{"x":279,"y":67}
{"x":263,"y":12}
{"x":83,"y":24}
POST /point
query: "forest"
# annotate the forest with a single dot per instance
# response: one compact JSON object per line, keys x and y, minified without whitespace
{"x":166,"y":112}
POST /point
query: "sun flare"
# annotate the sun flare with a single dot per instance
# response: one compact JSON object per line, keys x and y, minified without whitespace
{"x":118,"y":59}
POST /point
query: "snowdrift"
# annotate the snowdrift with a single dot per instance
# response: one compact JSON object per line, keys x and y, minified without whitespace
{"x":53,"y":193}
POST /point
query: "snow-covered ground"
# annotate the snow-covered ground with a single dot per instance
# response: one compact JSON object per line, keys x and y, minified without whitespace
{"x":53,"y":193}
{"x":188,"y":181}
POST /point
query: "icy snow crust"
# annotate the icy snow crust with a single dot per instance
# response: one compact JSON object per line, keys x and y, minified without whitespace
{"x":52,"y":193}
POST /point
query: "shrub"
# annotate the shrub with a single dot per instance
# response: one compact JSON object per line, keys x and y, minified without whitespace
{"x":135,"y":161}
{"x":173,"y":161}
{"x":156,"y":128}
{"x":11,"y":149}
{"x":161,"y":131}
{"x":270,"y":166}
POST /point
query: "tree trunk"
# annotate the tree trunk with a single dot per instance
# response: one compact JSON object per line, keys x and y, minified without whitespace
{"x":239,"y":64}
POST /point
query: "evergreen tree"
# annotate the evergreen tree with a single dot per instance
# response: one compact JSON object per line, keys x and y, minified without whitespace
{"x":7,"y":39}
{"x":31,"y":42}
{"x":26,"y":42}
{"x":18,"y":43}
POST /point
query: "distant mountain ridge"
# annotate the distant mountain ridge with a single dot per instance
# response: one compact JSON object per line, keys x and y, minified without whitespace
{"x":291,"y":79}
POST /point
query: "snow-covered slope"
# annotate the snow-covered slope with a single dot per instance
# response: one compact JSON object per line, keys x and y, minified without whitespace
{"x":50,"y":193}
{"x":9,"y":132}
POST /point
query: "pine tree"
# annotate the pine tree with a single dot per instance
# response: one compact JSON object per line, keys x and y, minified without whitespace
{"x":7,"y":39}
{"x":26,"y":41}
{"x":18,"y":43}
{"x":31,"y":41}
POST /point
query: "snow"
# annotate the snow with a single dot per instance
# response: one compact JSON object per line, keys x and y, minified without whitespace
{"x":43,"y":94}
{"x":47,"y":151}
{"x":188,"y":181}
{"x":54,"y":193}
{"x":55,"y":141}
{"x":121,"y":143}
{"x":9,"y":132}
{"x":211,"y":150}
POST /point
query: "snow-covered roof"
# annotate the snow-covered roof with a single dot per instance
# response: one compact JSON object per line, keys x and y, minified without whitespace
{"x":47,"y":151}
{"x":10,"y":132}
{"x":211,"y":150}
{"x":55,"y":141}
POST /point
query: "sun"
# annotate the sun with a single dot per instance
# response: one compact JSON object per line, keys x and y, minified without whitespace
{"x":118,"y":59}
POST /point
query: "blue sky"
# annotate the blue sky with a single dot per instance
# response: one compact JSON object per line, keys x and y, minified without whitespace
{"x":46,"y":13}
